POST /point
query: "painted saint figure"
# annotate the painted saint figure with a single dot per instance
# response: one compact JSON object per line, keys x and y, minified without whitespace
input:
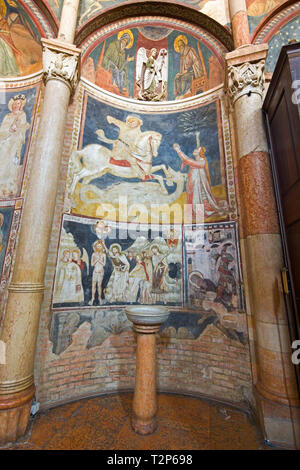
{"x":190,"y":67}
{"x":8,"y":50}
{"x":12,"y":137}
{"x":118,"y":281}
{"x":75,"y":269}
{"x":160,"y":269}
{"x":125,"y":144}
{"x":98,"y":262}
{"x":226,"y":287}
{"x":138,"y":283}
{"x":63,"y":284}
{"x":199,"y":185}
{"x":115,"y":59}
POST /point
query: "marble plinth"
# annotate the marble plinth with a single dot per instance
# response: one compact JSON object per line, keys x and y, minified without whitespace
{"x":146,"y":322}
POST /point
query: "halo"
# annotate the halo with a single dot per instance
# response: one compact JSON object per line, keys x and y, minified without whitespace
{"x":11,"y":101}
{"x":182,"y":38}
{"x":117,"y":246}
{"x":130,"y":117}
{"x":98,"y":242}
{"x":3,"y":8}
{"x":126,"y":31}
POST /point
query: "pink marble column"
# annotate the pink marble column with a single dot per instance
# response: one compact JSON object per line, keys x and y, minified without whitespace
{"x":145,"y":400}
{"x":239,"y":21}
{"x":146,"y":320}
{"x":275,"y":387}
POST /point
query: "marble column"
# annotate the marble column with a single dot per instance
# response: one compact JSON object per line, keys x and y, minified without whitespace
{"x":25,"y":292}
{"x":145,"y":399}
{"x":275,"y":387}
{"x":239,"y":21}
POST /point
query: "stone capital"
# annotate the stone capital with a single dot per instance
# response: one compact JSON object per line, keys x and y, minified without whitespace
{"x":61,"y":61}
{"x":245,"y":71}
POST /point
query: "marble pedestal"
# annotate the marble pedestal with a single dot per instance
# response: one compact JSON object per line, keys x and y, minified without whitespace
{"x":146,"y":322}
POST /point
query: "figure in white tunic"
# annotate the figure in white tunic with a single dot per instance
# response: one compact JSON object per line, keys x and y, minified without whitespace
{"x":118,"y":281}
{"x":12,"y":137}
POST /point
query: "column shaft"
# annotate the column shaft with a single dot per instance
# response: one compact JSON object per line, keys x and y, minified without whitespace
{"x":144,"y":400}
{"x":275,"y":389}
{"x":239,"y":21}
{"x":25,"y":292}
{"x":68,"y":21}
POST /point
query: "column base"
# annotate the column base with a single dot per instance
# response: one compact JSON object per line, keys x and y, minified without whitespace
{"x":280,"y":423}
{"x":14,"y":414}
{"x":143,"y":427}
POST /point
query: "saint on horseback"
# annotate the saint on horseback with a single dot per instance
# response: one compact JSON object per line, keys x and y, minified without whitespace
{"x":130,"y":157}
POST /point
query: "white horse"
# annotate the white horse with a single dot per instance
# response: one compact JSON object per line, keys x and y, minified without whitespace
{"x":95,"y":161}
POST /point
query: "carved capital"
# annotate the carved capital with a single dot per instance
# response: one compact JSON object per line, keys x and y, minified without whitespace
{"x":61,"y":61}
{"x":244,"y":79}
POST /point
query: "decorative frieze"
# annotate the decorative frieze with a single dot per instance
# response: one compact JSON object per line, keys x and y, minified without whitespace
{"x":61,"y":62}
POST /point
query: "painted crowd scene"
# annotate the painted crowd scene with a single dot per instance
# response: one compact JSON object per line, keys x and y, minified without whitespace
{"x":100,"y":265}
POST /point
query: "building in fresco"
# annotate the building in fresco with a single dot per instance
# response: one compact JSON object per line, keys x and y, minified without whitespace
{"x":135,"y":170}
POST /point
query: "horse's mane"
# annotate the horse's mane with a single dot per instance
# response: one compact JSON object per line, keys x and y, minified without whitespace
{"x":150,"y":133}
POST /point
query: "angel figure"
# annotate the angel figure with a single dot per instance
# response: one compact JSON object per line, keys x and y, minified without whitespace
{"x":151,"y":74}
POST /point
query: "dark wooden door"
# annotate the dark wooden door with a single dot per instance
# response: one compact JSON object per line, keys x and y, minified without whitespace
{"x":282,"y":109}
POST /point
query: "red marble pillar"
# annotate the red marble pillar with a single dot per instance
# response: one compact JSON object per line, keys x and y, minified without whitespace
{"x":275,"y":387}
{"x":144,"y":399}
{"x":239,"y":21}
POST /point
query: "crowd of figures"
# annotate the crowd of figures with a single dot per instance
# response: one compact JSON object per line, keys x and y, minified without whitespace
{"x":147,"y":272}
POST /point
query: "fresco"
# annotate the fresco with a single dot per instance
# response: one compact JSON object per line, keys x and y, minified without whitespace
{"x":56,"y":6}
{"x":153,"y":63}
{"x":20,"y":50}
{"x":102,"y":263}
{"x":104,"y":323}
{"x":213,"y":276}
{"x":151,"y":159}
{"x":16,"y":117}
{"x":6,"y":214}
{"x":216,"y":9}
{"x":290,"y":31}
{"x":258,"y":9}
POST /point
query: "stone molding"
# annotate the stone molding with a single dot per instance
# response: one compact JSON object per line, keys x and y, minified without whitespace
{"x":245,"y":79}
{"x":61,"y":61}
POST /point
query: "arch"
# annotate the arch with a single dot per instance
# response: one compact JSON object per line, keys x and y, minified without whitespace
{"x":156,"y":8}
{"x":273,"y":20}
